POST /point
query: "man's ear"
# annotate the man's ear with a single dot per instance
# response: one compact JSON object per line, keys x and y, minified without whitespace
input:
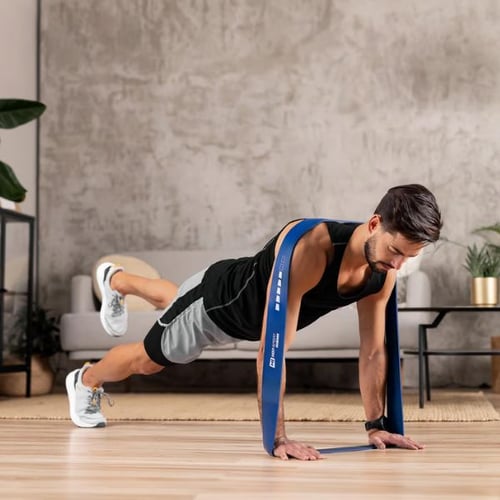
{"x":374,"y":223}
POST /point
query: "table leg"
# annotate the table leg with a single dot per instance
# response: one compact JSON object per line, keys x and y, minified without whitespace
{"x":427,"y":374}
{"x":421,"y":336}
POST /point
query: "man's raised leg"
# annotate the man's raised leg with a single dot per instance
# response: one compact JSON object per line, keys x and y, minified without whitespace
{"x":159,"y":292}
{"x":114,"y":284}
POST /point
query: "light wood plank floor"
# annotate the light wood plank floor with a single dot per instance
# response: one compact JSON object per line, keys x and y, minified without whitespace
{"x":217,"y":460}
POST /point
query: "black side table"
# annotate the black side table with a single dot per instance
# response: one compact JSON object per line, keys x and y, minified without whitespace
{"x":12,"y":217}
{"x":424,"y":352}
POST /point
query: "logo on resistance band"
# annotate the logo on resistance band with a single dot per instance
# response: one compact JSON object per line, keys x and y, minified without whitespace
{"x":275,"y":345}
{"x":277,"y":309}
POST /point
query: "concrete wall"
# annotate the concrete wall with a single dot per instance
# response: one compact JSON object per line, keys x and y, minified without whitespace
{"x":175,"y":124}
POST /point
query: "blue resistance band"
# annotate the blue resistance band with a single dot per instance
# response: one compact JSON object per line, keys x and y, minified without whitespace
{"x":275,"y":342}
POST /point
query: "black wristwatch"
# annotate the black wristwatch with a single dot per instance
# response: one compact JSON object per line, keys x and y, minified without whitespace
{"x":380,"y":424}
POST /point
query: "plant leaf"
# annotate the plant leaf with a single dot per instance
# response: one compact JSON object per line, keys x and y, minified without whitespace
{"x":494,"y":228}
{"x":15,"y":112}
{"x":10,"y":188}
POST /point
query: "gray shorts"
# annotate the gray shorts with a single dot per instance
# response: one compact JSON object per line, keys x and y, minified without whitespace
{"x":184,"y":328}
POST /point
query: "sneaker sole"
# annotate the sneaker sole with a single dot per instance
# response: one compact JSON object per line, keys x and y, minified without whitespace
{"x":70,"y":389}
{"x":100,"y":282}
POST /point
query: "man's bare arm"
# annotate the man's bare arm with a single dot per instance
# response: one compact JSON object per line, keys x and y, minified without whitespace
{"x":372,"y":353}
{"x":373,"y":364}
{"x":305,"y":271}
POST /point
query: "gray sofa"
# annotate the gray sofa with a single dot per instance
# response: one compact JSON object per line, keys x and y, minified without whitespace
{"x":333,"y":337}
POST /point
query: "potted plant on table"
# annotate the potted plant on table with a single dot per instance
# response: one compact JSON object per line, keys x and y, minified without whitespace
{"x":483,"y":264}
{"x":493,"y":229}
{"x":45,"y":343}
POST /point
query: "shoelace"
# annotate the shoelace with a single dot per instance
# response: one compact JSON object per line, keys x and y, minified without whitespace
{"x":94,"y":403}
{"x":117,"y":304}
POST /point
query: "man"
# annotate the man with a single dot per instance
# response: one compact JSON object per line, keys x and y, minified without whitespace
{"x":333,"y":265}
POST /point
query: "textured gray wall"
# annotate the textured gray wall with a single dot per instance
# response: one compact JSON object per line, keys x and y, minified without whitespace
{"x":176,"y":124}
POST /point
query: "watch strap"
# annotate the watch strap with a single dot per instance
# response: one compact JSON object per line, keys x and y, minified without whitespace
{"x":379,"y":424}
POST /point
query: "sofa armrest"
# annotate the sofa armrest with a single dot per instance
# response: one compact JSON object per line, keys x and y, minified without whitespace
{"x":82,"y":297}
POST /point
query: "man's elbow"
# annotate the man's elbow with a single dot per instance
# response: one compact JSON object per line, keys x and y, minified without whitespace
{"x":372,"y":354}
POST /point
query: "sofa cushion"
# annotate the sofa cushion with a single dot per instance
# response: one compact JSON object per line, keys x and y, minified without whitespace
{"x":336,"y":330}
{"x":132,"y":265}
{"x":84,"y":332}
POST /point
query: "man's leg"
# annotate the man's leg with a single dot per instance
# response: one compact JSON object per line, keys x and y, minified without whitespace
{"x":159,"y":292}
{"x":119,"y":363}
{"x":84,"y":385}
{"x":114,"y":284}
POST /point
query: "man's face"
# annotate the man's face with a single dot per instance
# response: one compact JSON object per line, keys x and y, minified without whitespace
{"x":385,"y":251}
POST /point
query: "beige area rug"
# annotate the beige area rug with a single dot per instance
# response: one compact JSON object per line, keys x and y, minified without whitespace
{"x":446,"y":406}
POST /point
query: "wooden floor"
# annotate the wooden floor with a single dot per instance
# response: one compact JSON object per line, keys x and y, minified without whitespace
{"x":217,"y":460}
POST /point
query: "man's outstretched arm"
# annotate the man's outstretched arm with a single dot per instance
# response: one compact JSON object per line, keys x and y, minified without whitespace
{"x":305,"y":271}
{"x":373,"y":365}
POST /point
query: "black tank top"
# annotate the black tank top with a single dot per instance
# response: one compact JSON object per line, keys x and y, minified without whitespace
{"x":234,"y":290}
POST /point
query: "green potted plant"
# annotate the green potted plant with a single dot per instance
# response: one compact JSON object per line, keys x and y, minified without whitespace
{"x":495,"y":229}
{"x":45,"y":343}
{"x":483,"y":264}
{"x":15,"y":112}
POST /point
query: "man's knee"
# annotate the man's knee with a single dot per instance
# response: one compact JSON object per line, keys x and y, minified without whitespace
{"x":144,"y":365}
{"x":149,"y":367}
{"x":163,"y":302}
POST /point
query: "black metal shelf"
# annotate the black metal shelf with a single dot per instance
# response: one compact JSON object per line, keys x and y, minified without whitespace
{"x":10,"y":216}
{"x":8,"y":293}
{"x":454,"y":352}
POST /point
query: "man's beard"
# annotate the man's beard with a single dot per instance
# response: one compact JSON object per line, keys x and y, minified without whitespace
{"x":369,"y":249}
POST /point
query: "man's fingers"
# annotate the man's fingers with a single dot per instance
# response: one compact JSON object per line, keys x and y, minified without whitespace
{"x":280,"y":452}
{"x":296,"y":450}
{"x":404,"y":442}
{"x":408,"y":443}
{"x":382,"y":438}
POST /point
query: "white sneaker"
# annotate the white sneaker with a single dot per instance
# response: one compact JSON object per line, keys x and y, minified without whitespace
{"x":84,"y":402}
{"x":114,"y":315}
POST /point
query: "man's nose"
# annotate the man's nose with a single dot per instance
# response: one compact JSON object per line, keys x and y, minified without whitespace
{"x":398,"y":261}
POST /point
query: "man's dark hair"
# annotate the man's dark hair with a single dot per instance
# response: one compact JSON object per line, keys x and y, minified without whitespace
{"x":412,"y":211}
